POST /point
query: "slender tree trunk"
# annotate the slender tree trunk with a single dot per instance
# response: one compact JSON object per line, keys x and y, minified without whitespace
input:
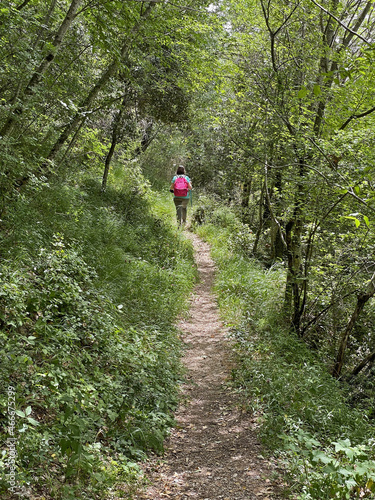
{"x":296,"y":268}
{"x":277,"y":244}
{"x":115,"y":135}
{"x":73,"y":140}
{"x":330,"y":67}
{"x":368,"y":360}
{"x":108,"y":162}
{"x":147,"y":138}
{"x":45,"y":24}
{"x":261,"y":220}
{"x":84,"y":106}
{"x":245,"y":200}
{"x":245,"y":194}
{"x":292,"y":298}
{"x":293,"y":238}
{"x":361,"y":301}
{"x":288,"y":285}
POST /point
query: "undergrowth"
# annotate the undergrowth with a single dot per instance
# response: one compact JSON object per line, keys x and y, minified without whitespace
{"x":327,"y":446}
{"x":91,"y":285}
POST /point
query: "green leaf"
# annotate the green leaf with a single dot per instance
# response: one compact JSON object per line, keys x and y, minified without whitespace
{"x":32,"y":421}
{"x":345,"y":472}
{"x":342,"y":445}
{"x":356,"y":221}
{"x":28,"y":411}
{"x":64,"y":445}
{"x":20,"y":413}
{"x":317,"y":90}
{"x":350,"y":483}
{"x":302,"y":93}
{"x":320,"y":456}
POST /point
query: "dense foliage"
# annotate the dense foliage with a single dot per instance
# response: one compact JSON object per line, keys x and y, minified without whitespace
{"x":304,"y":415}
{"x":270,"y":106}
{"x":90,"y":289}
{"x":284,"y":134}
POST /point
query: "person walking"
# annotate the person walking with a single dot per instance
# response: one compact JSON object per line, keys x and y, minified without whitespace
{"x":181,"y":187}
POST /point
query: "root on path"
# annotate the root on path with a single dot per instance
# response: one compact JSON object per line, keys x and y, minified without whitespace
{"x":213,"y":452}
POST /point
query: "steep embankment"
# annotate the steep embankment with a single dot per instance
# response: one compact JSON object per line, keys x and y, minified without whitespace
{"x":90,"y":288}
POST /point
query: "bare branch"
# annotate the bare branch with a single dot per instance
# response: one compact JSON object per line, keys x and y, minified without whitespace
{"x":350,"y":190}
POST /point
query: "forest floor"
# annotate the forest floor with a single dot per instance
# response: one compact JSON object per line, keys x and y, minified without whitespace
{"x":213,"y":452}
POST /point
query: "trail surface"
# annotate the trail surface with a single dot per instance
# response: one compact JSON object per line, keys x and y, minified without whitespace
{"x":213,"y":452}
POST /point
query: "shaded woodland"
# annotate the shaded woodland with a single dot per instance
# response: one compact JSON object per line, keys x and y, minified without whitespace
{"x":270,"y":105}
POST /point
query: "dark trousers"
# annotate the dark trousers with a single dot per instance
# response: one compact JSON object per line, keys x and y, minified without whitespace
{"x":181,"y":208}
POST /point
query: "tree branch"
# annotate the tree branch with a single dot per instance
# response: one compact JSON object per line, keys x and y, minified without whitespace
{"x":341,"y":23}
{"x":355,"y":117}
{"x":369,"y":359}
{"x":23,"y":4}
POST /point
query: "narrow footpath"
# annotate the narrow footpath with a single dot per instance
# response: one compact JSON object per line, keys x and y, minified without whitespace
{"x":213,"y":452}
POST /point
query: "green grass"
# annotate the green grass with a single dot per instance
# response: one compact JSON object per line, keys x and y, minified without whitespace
{"x":91,"y":286}
{"x":326,"y":446}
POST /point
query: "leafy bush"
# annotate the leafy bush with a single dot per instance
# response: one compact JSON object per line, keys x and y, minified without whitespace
{"x":240,"y":238}
{"x":341,"y":471}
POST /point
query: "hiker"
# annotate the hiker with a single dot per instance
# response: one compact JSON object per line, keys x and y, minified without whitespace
{"x":181,"y":187}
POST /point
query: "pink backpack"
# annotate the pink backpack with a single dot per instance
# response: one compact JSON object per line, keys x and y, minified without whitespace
{"x":180,"y":188}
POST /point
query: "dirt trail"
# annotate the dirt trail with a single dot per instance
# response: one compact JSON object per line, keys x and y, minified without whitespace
{"x":213,"y":452}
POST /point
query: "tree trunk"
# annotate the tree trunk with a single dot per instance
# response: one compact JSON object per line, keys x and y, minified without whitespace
{"x":292,"y":299}
{"x":245,"y":200}
{"x":297,"y":276}
{"x":368,"y":360}
{"x":84,"y":106}
{"x":261,"y":219}
{"x":293,"y":236}
{"x":330,"y":67}
{"x":361,"y":301}
{"x":147,"y":138}
{"x":245,"y":194}
{"x":45,"y":25}
{"x":277,"y":243}
{"x":108,"y":160}
{"x":115,"y":135}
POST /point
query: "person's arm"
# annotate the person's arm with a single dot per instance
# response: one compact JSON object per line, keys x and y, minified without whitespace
{"x":189,"y":186}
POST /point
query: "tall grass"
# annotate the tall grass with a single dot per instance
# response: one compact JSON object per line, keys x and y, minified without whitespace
{"x":91,"y":286}
{"x":326,"y":445}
